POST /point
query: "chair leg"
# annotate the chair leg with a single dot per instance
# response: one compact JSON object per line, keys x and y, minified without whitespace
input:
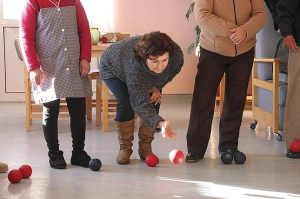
{"x":28,"y":104}
{"x":98,"y":104}
{"x":89,"y":103}
{"x":105,"y":106}
{"x":27,"y":124}
{"x":88,"y":108}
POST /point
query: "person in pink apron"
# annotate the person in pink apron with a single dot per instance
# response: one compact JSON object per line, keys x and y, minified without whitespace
{"x":56,"y":45}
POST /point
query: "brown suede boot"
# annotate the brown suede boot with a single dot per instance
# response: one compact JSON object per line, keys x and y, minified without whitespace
{"x":3,"y":167}
{"x":125,"y":136}
{"x":146,"y":135}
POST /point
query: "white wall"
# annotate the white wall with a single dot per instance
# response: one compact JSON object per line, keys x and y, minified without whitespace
{"x":142,"y":16}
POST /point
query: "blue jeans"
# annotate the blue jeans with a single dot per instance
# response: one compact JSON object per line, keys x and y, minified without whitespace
{"x":124,"y":108}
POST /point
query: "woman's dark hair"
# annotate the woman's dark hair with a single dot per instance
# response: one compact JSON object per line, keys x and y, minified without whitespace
{"x":154,"y":44}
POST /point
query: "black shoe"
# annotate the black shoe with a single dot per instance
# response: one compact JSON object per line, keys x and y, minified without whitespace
{"x":192,"y":157}
{"x":80,"y":158}
{"x":56,"y":159}
{"x":291,"y":154}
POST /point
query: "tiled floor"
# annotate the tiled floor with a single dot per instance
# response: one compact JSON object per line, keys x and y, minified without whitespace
{"x":266,"y":174}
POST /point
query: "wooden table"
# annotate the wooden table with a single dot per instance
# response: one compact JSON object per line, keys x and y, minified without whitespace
{"x":97,"y":50}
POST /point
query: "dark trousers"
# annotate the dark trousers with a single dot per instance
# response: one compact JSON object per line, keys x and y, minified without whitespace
{"x":124,"y":108}
{"x":211,"y":69}
{"x":77,"y":110}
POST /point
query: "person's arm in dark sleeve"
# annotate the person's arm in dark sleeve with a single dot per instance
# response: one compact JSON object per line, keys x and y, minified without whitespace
{"x":140,"y":101}
{"x":286,"y":12}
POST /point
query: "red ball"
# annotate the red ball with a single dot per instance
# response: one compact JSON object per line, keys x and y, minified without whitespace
{"x":26,"y":171}
{"x":176,"y":156}
{"x":151,"y":160}
{"x":104,"y":40}
{"x":295,"y":146}
{"x":15,"y":176}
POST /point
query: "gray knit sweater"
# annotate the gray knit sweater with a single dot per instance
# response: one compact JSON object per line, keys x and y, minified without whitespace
{"x":118,"y":61}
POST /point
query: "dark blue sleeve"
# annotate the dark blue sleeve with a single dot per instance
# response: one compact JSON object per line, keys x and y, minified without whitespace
{"x":286,"y":12}
{"x":140,"y":99}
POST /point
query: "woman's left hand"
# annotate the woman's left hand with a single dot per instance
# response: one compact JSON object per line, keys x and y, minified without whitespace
{"x":238,"y":35}
{"x":156,"y":95}
{"x":84,"y":67}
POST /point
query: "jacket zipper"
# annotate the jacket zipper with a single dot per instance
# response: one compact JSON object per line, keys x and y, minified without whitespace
{"x":235,"y":24}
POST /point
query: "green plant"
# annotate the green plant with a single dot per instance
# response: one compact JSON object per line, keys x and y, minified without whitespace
{"x":197,"y":28}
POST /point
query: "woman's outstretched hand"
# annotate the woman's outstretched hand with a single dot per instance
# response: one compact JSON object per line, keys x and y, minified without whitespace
{"x":166,"y":130}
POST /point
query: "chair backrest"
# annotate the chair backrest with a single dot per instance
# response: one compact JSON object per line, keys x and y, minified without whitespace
{"x":267,"y":42}
{"x":18,"y":50}
{"x":282,"y":53}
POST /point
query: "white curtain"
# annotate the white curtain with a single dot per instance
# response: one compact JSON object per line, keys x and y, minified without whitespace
{"x":100,"y":14}
{"x":12,"y":9}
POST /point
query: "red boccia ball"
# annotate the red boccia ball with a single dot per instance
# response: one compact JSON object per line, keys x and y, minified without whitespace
{"x":26,"y":171}
{"x":151,"y":160}
{"x":176,"y":156}
{"x":295,"y":146}
{"x":104,"y":40}
{"x":15,"y":176}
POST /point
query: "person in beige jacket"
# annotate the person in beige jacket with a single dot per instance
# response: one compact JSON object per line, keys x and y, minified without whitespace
{"x":227,"y":39}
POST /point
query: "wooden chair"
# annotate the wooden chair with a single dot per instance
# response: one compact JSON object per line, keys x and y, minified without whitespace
{"x":104,"y":103}
{"x":259,"y":114}
{"x":34,"y":110}
{"x":270,"y":81}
